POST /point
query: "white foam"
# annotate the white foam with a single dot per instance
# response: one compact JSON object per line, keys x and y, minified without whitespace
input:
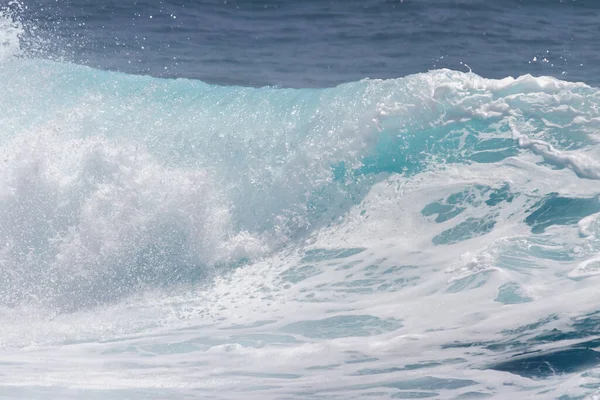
{"x":583,"y":165}
{"x":586,"y":225}
{"x":86,"y":210}
{"x":11,"y":31}
{"x":586,"y":269}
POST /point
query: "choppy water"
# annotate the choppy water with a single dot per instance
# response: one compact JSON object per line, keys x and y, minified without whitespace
{"x":431,"y":235}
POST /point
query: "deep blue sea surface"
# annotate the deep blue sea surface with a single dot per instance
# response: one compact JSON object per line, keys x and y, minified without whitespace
{"x":322,"y":43}
{"x":300,"y":200}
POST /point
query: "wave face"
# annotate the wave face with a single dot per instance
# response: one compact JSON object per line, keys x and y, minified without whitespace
{"x":432,"y":235}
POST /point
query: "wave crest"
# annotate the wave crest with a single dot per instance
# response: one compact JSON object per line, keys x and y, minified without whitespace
{"x":114,"y":181}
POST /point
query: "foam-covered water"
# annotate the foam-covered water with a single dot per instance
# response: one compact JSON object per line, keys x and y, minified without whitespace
{"x":435,"y":235}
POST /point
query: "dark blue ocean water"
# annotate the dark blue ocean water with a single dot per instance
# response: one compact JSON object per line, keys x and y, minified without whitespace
{"x":322,"y":43}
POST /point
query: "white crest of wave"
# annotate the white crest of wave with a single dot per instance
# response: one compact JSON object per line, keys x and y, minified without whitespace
{"x":84,"y":214}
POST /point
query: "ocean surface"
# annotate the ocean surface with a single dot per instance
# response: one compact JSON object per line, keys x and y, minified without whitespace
{"x":248,"y":199}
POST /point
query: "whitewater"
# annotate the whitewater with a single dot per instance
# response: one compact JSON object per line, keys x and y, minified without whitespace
{"x":431,"y":236}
